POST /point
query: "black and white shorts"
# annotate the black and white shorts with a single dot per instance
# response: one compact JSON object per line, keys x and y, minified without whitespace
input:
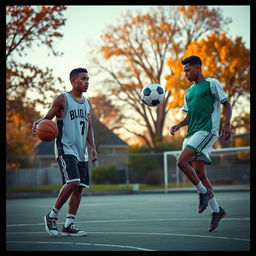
{"x":73,"y":170}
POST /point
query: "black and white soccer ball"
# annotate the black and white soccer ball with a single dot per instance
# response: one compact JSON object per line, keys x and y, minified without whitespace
{"x":153,"y":94}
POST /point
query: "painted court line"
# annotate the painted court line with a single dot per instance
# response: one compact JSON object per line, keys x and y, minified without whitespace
{"x":82,"y":204}
{"x":87,"y":244}
{"x":145,"y":233}
{"x":133,"y":220}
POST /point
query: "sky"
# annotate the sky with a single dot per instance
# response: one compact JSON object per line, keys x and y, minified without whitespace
{"x":85,"y":24}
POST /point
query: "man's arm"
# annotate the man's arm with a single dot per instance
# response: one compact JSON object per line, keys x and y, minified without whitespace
{"x":90,"y":141}
{"x":176,"y":127}
{"x":56,"y":110}
{"x":226,"y":130}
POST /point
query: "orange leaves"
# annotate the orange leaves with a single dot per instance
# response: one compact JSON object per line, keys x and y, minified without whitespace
{"x":27,"y":24}
{"x":227,"y":60}
{"x":175,"y":83}
{"x":135,"y":52}
{"x":108,"y":52}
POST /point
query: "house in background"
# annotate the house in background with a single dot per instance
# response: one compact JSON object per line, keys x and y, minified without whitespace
{"x":111,"y":149}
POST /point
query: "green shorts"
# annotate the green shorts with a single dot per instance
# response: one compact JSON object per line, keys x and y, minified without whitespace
{"x":201,"y":142}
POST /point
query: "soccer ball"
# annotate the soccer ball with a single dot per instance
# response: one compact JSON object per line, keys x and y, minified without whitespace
{"x":152,"y":94}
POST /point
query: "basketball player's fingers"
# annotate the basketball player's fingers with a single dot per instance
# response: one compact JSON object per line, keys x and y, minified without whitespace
{"x":172,"y":130}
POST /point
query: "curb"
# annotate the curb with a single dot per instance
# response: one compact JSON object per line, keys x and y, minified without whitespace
{"x":231,"y":188}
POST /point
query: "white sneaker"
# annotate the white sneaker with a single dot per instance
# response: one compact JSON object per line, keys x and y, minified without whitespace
{"x":70,"y":230}
{"x":50,"y":225}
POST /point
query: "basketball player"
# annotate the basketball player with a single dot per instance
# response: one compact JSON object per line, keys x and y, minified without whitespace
{"x":202,"y":105}
{"x":73,"y":148}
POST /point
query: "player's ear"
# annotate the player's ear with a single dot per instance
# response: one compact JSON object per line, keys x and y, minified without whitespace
{"x":72,"y":80}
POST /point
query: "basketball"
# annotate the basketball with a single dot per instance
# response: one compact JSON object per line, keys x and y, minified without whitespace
{"x":47,"y":130}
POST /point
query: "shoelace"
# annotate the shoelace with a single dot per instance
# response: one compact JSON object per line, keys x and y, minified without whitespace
{"x":73,"y":227}
{"x":54,"y":224}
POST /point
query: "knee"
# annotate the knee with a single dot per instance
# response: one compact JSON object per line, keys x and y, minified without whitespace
{"x":74,"y":185}
{"x":180,"y":163}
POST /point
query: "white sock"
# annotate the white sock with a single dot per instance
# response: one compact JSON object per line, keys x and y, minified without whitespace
{"x":54,"y":213}
{"x":214,"y":205}
{"x":70,"y":219}
{"x":201,"y":188}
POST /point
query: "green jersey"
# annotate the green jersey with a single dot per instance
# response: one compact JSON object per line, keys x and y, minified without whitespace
{"x":202,"y":104}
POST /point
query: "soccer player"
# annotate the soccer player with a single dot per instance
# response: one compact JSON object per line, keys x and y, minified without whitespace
{"x":73,"y":147}
{"x":202,"y":105}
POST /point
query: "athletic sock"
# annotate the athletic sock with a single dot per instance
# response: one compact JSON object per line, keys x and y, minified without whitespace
{"x":201,"y":188}
{"x":54,"y":213}
{"x":70,"y":219}
{"x":214,"y":205}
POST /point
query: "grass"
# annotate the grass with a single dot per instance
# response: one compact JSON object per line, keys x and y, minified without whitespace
{"x":94,"y":188}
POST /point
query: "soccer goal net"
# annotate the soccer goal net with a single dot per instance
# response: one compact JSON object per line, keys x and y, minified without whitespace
{"x":229,"y":166}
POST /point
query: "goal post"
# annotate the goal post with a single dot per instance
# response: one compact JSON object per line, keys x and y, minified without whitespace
{"x":176,"y":153}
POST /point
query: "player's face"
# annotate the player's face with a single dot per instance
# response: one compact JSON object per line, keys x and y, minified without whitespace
{"x":191,"y":72}
{"x":81,"y":83}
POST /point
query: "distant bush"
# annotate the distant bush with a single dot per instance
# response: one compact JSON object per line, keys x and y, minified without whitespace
{"x":105,"y":174}
{"x":154,"y":178}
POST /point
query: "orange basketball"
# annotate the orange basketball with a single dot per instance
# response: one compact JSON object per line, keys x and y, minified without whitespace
{"x":47,"y":130}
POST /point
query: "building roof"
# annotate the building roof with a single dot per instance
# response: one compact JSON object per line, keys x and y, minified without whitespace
{"x":103,"y":136}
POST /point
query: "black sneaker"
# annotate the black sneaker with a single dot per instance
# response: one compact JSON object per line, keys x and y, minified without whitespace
{"x":204,"y":199}
{"x":70,"y":230}
{"x":216,"y":217}
{"x":50,"y":225}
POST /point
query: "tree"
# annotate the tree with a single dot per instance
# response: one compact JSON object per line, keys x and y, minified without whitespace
{"x":136,"y":52}
{"x":105,"y":111}
{"x":19,"y":139}
{"x":224,"y":59}
{"x":25,"y":27}
{"x":28,"y":24}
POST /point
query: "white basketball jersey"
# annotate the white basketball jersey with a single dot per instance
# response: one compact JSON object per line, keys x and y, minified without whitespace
{"x":73,"y":128}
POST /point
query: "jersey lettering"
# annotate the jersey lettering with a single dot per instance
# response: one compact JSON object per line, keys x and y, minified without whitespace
{"x":77,"y":113}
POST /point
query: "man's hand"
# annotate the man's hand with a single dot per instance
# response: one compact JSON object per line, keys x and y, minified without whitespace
{"x":93,"y":155}
{"x":174,"y":129}
{"x":34,"y":126}
{"x":226,"y":131}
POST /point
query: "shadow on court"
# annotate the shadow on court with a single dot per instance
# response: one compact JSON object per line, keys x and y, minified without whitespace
{"x":139,"y":222}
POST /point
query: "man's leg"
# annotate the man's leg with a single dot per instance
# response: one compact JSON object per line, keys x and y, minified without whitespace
{"x":199,"y":167}
{"x":71,"y":180}
{"x":217,"y":212}
{"x":65,"y":192}
{"x":183,"y":163}
{"x":51,"y":218}
{"x":74,"y":202}
{"x":186,"y":168}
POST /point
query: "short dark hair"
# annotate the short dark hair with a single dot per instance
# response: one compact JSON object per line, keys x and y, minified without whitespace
{"x":192,"y":60}
{"x":75,"y":72}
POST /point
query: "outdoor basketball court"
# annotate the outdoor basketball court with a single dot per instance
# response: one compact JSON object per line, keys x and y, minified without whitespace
{"x":137,"y":222}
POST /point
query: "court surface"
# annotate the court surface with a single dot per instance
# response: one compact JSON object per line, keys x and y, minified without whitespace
{"x":136,"y":222}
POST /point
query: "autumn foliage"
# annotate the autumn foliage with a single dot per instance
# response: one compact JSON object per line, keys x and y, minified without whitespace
{"x":224,"y":59}
{"x":140,"y":49}
{"x":26,"y":27}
